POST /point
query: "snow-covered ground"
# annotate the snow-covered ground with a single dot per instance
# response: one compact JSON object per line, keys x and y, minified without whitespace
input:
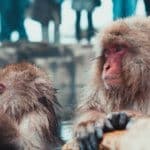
{"x":102,"y":16}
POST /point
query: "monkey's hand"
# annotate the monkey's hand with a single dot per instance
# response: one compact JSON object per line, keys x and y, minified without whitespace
{"x":88,"y":130}
{"x":120,"y":120}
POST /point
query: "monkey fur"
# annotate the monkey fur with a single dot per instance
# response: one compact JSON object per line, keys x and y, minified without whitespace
{"x":27,"y":117}
{"x":131,"y":92}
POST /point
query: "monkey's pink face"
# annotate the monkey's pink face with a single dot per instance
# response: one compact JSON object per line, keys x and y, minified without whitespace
{"x":112,"y":69}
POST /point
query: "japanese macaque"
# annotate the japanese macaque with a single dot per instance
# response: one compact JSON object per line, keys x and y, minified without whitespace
{"x":27,"y":117}
{"x":120,"y":81}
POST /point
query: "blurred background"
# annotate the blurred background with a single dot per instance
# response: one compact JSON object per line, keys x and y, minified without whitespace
{"x":58,"y":36}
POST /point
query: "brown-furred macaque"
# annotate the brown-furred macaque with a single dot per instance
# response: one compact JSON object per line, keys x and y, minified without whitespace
{"x":120,"y":81}
{"x":27,"y":117}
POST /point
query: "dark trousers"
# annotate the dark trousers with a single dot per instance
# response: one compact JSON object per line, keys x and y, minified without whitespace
{"x":8,"y":25}
{"x":90,"y":30}
{"x":147,"y":7}
{"x":13,"y":20}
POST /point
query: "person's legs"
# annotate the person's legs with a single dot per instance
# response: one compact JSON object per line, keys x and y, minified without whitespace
{"x":5,"y":28}
{"x":147,"y":7}
{"x":45,"y":35}
{"x":90,"y":31}
{"x":21,"y":29}
{"x":77,"y":26}
{"x":19,"y":9}
{"x":57,"y":33}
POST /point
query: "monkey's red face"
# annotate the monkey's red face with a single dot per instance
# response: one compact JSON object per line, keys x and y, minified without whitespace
{"x":112,"y":69}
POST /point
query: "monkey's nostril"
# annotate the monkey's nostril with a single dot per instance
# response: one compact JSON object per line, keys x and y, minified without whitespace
{"x":107,"y":67}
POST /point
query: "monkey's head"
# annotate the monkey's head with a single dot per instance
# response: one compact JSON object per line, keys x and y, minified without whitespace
{"x":125,"y":55}
{"x":23,"y":88}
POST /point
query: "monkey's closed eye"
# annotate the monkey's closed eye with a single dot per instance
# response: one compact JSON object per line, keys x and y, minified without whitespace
{"x":2,"y":88}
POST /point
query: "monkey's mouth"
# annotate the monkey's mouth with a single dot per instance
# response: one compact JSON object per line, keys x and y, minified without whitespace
{"x":112,"y":81}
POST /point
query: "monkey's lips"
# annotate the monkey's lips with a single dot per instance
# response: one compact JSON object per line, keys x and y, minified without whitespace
{"x":112,"y":81}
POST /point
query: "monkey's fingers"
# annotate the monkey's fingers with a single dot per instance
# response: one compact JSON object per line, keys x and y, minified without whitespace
{"x":88,"y":136}
{"x":89,"y":143}
{"x":116,"y":121}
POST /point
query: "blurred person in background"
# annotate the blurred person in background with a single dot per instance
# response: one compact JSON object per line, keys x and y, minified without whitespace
{"x":12,"y":18}
{"x":89,"y":6}
{"x":123,"y":8}
{"x":44,"y":11}
{"x":147,"y":7}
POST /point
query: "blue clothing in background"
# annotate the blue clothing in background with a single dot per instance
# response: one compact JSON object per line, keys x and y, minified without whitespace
{"x":123,"y":8}
{"x":12,"y":18}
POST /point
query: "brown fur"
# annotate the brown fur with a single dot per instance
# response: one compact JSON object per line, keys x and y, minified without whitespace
{"x":132,"y":94}
{"x":28,"y":100}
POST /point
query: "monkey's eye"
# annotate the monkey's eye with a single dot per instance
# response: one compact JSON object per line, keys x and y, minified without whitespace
{"x":118,"y":48}
{"x":2,"y":88}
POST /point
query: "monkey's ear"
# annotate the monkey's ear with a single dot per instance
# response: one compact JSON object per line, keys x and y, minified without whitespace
{"x":2,"y":88}
{"x":45,"y":89}
{"x":46,"y":94}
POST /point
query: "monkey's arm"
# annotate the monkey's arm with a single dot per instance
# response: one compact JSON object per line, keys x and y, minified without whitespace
{"x":110,"y":141}
{"x":88,"y":129}
{"x":123,"y":139}
{"x":92,"y":124}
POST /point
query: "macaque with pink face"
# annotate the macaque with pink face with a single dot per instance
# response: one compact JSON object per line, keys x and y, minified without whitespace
{"x":120,"y":81}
